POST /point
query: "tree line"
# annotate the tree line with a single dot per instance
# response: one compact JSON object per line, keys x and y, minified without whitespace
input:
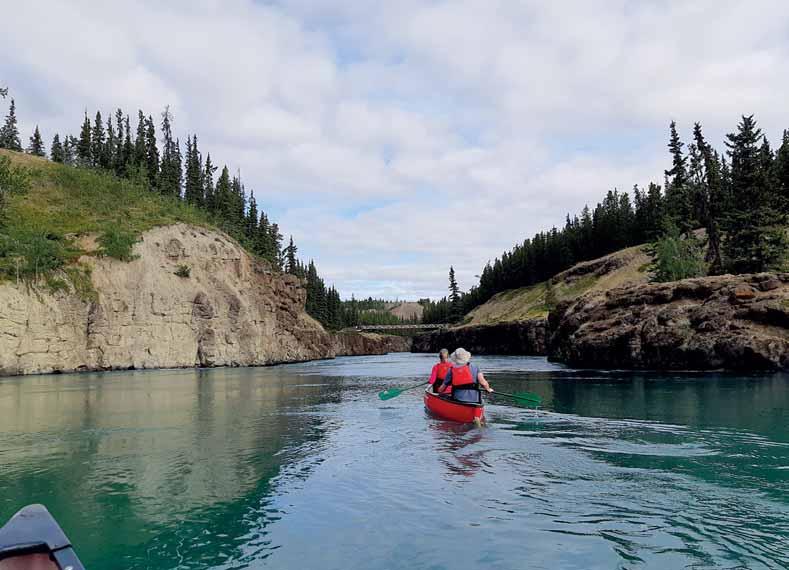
{"x":740,"y":198}
{"x":154,"y":159}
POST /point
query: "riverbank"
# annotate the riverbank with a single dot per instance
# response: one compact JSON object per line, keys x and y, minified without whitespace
{"x":723,"y":322}
{"x":188,"y":297}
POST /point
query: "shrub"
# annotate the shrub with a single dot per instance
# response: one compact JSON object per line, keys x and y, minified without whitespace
{"x":183,"y":271}
{"x":118,"y":244}
{"x":678,"y":258}
{"x":55,"y":284}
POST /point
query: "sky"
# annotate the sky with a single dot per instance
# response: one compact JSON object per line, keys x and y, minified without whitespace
{"x":394,"y":139}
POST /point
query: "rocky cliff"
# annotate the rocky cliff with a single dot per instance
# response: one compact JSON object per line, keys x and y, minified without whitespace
{"x":230,"y":310}
{"x":357,"y":343}
{"x":734,"y":322}
{"x":524,"y":337}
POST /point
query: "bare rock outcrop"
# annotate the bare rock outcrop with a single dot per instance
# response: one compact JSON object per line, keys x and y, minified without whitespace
{"x":521,"y":337}
{"x":231,"y":310}
{"x":732,"y":322}
{"x":358,"y":343}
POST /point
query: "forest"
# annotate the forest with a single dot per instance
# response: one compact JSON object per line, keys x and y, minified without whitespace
{"x":715,"y":213}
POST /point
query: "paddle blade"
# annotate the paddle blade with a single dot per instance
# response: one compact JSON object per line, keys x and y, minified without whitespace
{"x":523,"y":398}
{"x":390,"y":393}
{"x":528,"y":397}
{"x":528,"y":403}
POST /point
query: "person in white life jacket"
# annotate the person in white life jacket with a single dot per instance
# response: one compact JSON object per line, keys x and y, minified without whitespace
{"x":465,"y":378}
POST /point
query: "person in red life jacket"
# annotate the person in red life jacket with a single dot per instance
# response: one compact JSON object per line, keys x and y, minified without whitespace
{"x":465,"y":378}
{"x":440,"y":370}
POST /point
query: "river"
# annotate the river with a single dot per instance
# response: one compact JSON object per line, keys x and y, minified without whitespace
{"x":302,"y":466}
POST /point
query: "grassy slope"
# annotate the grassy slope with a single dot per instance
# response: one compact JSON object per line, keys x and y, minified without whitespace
{"x":70,"y":201}
{"x":532,"y":302}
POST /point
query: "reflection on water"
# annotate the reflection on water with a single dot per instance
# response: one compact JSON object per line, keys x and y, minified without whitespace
{"x":302,"y":466}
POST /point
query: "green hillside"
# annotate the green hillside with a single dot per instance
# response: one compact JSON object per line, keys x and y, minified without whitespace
{"x":42,"y":223}
{"x":627,"y":266}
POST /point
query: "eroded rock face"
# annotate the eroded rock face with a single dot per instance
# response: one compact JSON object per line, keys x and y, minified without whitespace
{"x":734,"y":322}
{"x":231,"y":311}
{"x":525,"y":338}
{"x":356,"y":343}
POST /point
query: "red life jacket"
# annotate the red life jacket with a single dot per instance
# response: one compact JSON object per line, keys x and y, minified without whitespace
{"x":441,"y":370}
{"x":461,"y":377}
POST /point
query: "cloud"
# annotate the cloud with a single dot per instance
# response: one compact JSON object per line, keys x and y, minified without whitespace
{"x":395,"y":139}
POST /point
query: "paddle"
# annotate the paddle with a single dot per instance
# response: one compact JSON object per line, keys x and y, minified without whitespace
{"x":394,"y":392}
{"x":522,"y":397}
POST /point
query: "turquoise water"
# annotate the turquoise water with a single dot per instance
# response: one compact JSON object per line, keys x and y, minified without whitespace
{"x":301,"y":466}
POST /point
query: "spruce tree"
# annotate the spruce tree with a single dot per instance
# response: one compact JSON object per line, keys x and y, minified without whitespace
{"x":70,"y":145}
{"x":36,"y":146}
{"x":222,"y":196}
{"x":84,"y":146}
{"x":118,"y":156}
{"x":56,"y":151}
{"x":276,"y":245}
{"x":97,"y":141}
{"x":209,"y":200}
{"x":193,"y":180}
{"x":9,"y":133}
{"x":710,"y":195}
{"x":755,"y":228}
{"x":170,"y":172}
{"x":108,"y":155}
{"x":264,"y":245}
{"x":679,"y":198}
{"x":251,"y":223}
{"x":454,"y":295}
{"x":151,"y":154}
{"x":140,"y":154}
{"x":290,"y":257}
{"x":782,"y":171}
{"x":237,"y":204}
{"x":128,"y":147}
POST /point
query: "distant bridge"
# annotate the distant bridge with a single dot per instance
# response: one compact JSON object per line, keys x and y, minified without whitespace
{"x":369,"y":328}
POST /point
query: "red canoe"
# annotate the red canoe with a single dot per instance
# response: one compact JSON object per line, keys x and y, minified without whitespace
{"x":448,"y":409}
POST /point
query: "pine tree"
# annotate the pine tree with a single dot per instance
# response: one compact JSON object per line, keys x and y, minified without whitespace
{"x":56,"y":151}
{"x":237,"y":203}
{"x":69,"y":150}
{"x":782,"y":172}
{"x":251,"y":223}
{"x":265,"y":247}
{"x":290,"y":257}
{"x":97,"y":141}
{"x":119,"y":158}
{"x":275,"y":245}
{"x":128,"y":147}
{"x":9,"y":133}
{"x":679,"y":198}
{"x":209,"y":199}
{"x":710,"y":197}
{"x":108,"y":154}
{"x":151,"y":154}
{"x":222,"y":199}
{"x":193,"y":182}
{"x":84,"y":146}
{"x":754,"y":229}
{"x":36,"y":146}
{"x":170,"y":172}
{"x":454,"y":295}
{"x":140,"y":155}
